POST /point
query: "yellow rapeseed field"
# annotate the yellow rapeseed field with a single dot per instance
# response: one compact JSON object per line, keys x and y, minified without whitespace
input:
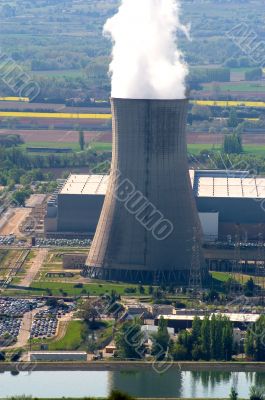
{"x":12,"y":114}
{"x":208,"y":103}
{"x":24,"y":99}
{"x":217,"y":103}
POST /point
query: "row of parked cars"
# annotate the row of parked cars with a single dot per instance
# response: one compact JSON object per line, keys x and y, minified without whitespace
{"x":44,"y":327}
{"x":16,"y":307}
{"x":46,"y":321}
{"x":7,"y":240}
{"x":40,"y":242}
{"x":9,"y":328}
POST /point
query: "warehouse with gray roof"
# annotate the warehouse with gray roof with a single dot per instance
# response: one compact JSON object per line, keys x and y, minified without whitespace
{"x":229,"y":203}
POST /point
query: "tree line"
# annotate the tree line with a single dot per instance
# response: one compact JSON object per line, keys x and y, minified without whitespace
{"x":209,"y":339}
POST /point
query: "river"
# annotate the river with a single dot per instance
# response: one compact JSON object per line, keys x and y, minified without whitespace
{"x":144,"y":383}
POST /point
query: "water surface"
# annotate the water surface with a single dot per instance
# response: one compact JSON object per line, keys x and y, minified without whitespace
{"x":144,"y":383}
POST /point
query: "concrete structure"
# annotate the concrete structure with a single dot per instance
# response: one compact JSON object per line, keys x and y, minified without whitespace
{"x":57,"y":356}
{"x":237,"y":197}
{"x":74,"y":210}
{"x":146,"y":228}
{"x":74,"y":261}
{"x":228,"y":203}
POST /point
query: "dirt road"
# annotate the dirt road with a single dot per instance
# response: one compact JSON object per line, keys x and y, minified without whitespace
{"x":36,"y":265}
{"x":12,"y":224}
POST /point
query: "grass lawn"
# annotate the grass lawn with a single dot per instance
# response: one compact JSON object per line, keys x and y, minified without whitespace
{"x":258,"y":150}
{"x":98,"y":146}
{"x":57,"y":289}
{"x":238,"y":87}
{"x":72,"y":339}
{"x":54,"y":145}
{"x":221,"y":276}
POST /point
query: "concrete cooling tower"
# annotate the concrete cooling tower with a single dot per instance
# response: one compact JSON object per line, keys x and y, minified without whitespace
{"x":146,"y":229}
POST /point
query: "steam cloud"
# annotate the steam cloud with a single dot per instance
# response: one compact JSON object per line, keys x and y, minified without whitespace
{"x":146,"y":63}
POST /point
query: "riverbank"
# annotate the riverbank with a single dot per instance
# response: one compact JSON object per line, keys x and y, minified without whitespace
{"x":123,"y":365}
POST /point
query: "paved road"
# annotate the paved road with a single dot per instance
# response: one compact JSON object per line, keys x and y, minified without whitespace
{"x":36,"y":265}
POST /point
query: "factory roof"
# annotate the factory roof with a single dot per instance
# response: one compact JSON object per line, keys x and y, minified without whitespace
{"x":229,"y":184}
{"x":85,"y":184}
{"x":234,"y":317}
{"x":205,"y":183}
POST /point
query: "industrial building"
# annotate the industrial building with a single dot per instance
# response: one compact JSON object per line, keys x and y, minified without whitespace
{"x":67,"y":356}
{"x":180,"y":322}
{"x":228,"y":203}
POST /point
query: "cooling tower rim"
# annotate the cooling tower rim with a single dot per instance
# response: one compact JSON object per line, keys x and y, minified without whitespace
{"x":186,"y":100}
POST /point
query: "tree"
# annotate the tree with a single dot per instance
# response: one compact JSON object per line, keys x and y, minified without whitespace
{"x":249,"y":288}
{"x":232,"y":144}
{"x":130,"y":341}
{"x":233,"y":394}
{"x":20,"y":197}
{"x":232,"y":120}
{"x":206,"y":338}
{"x":161,"y":340}
{"x":90,"y":313}
{"x":256,"y":393}
{"x":254,"y":346}
{"x":117,"y":395}
{"x":81,"y":140}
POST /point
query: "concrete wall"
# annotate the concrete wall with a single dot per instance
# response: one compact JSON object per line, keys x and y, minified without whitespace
{"x":79,"y":213}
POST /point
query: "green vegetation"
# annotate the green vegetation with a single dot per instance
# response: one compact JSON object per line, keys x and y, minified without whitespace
{"x":208,"y":340}
{"x":129,"y":341}
{"x":62,"y":46}
{"x":232,"y":144}
{"x":254,"y":342}
{"x":73,"y":338}
{"x":71,"y":289}
{"x":81,"y":140}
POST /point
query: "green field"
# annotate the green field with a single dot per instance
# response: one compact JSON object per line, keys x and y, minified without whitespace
{"x":72,"y":338}
{"x":238,"y":87}
{"x":61,"y":288}
{"x":53,"y":145}
{"x":258,"y":150}
{"x":107,"y":147}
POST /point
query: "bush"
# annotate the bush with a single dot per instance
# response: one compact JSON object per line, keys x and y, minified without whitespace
{"x":16,"y":356}
{"x":256,"y":393}
{"x":129,"y":290}
{"x":233,"y":394}
{"x":117,"y":395}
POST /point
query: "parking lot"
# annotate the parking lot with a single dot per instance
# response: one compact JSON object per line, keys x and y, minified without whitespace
{"x":15,"y":315}
{"x":14,"y":307}
{"x":44,"y":325}
{"x":9,"y":329}
{"x":45,"y":322}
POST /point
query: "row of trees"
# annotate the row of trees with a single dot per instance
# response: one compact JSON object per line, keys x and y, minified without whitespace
{"x":16,"y":166}
{"x":255,"y":340}
{"x":209,"y":339}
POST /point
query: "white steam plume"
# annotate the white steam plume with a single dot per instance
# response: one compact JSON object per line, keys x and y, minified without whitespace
{"x":146,"y":62}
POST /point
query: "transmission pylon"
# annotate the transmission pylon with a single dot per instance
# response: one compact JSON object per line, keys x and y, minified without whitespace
{"x":236,"y":284}
{"x":195,"y":279}
{"x":260,"y":269}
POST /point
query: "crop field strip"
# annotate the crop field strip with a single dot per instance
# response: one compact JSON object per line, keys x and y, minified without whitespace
{"x":208,"y":103}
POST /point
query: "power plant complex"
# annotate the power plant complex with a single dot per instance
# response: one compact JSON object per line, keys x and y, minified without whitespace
{"x":149,"y":220}
{"x":149,"y":229}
